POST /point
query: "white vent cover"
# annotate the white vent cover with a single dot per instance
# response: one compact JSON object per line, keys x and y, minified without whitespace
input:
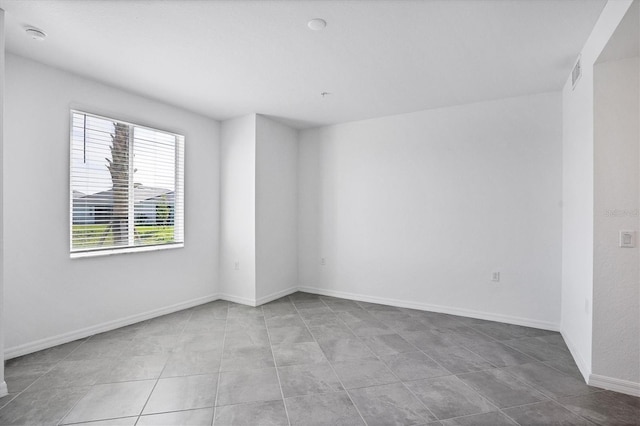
{"x":576,"y":73}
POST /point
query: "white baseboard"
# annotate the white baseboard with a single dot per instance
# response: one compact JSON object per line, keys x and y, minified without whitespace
{"x":276,"y":295}
{"x":585,"y":369}
{"x":237,"y":299}
{"x":616,"y":385}
{"x":49,"y":342}
{"x":435,"y":308}
{"x":4,"y":391}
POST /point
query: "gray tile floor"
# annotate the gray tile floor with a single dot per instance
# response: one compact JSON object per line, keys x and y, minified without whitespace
{"x":309,"y":360}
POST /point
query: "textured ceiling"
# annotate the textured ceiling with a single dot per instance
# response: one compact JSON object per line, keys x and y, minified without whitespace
{"x":228,"y":58}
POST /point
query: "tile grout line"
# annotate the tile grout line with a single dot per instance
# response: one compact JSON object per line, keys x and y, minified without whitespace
{"x":535,"y":361}
{"x":491,"y":369}
{"x":326,"y":358}
{"x":547,"y":398}
{"x":162,"y":371}
{"x":89,"y":387}
{"x":385,"y":364}
{"x":86,"y":339}
{"x":275,"y":364}
{"x":224,"y":339}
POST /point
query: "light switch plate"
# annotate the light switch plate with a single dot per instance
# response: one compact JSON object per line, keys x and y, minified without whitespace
{"x":627,"y":239}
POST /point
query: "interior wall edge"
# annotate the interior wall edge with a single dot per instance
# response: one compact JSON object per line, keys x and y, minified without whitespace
{"x":582,"y":365}
{"x":237,"y":299}
{"x":276,"y":295}
{"x":82,"y":333}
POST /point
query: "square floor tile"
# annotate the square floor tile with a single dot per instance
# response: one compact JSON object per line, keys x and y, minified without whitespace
{"x":199,"y":417}
{"x":406,"y":324}
{"x":605,"y":408}
{"x":369,"y":328}
{"x":203,"y":342}
{"x":205,"y":323}
{"x":501,"y":388}
{"x":192,"y":363}
{"x":246,"y":338}
{"x":499,"y":354}
{"x":43,"y":407}
{"x":458,"y":359}
{"x":287,"y":320}
{"x":134,"y":368}
{"x":271,"y":413}
{"x":290,"y":334}
{"x":308,"y":379}
{"x":344,"y":349}
{"x":20,"y":377}
{"x":568,"y":367}
{"x":298,"y":353}
{"x":388,"y":344}
{"x":486,"y":419}
{"x":342,"y":305}
{"x":355,"y":317}
{"x":49,"y":356}
{"x":448,"y":397}
{"x":122,"y":421}
{"x":4,"y":400}
{"x":101,"y":347}
{"x":413,"y":366}
{"x":332,"y":331}
{"x":316,"y":319}
{"x":390,"y":405}
{"x":501,"y":331}
{"x":248,"y":386}
{"x":430,"y":338}
{"x":334,"y":409}
{"x":359,"y":373}
{"x":183,"y":393}
{"x":111,"y":400}
{"x":243,"y":358}
{"x":545,"y":413}
{"x":549,"y":381}
{"x":150,"y":345}
{"x":539,"y":348}
{"x":83,"y":372}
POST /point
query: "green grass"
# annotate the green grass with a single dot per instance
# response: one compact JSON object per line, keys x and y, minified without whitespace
{"x":95,"y":236}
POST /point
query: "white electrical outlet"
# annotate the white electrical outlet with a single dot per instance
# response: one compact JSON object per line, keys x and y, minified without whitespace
{"x":495,"y":277}
{"x":627,"y":239}
{"x":237,"y":266}
{"x":323,"y":262}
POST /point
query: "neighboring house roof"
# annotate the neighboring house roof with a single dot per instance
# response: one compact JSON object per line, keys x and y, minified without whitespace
{"x":140,"y":194}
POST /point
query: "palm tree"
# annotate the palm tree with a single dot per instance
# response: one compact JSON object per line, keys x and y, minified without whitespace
{"x":118,"y":166}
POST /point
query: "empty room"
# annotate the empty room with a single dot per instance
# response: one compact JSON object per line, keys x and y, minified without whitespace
{"x":320,"y":212}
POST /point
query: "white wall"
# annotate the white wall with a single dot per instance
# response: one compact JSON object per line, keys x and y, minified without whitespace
{"x":419,"y":209}
{"x":616,"y":289}
{"x":52,"y":297}
{"x":577,"y":193}
{"x":238,"y":224}
{"x":3,"y":385}
{"x":276,"y":209}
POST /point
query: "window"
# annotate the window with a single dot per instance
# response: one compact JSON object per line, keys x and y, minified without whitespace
{"x":127,"y":187}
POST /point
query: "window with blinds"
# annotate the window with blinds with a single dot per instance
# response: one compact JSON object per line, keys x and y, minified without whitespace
{"x":127,"y":187}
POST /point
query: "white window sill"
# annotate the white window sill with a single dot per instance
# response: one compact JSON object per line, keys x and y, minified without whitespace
{"x":109,"y":252}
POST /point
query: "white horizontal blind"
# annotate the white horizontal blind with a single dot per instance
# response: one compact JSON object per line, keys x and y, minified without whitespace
{"x":127,"y":185}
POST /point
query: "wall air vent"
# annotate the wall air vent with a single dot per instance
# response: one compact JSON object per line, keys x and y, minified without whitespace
{"x":576,"y":73}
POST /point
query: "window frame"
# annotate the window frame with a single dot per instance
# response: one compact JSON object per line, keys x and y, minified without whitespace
{"x":179,"y":192}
